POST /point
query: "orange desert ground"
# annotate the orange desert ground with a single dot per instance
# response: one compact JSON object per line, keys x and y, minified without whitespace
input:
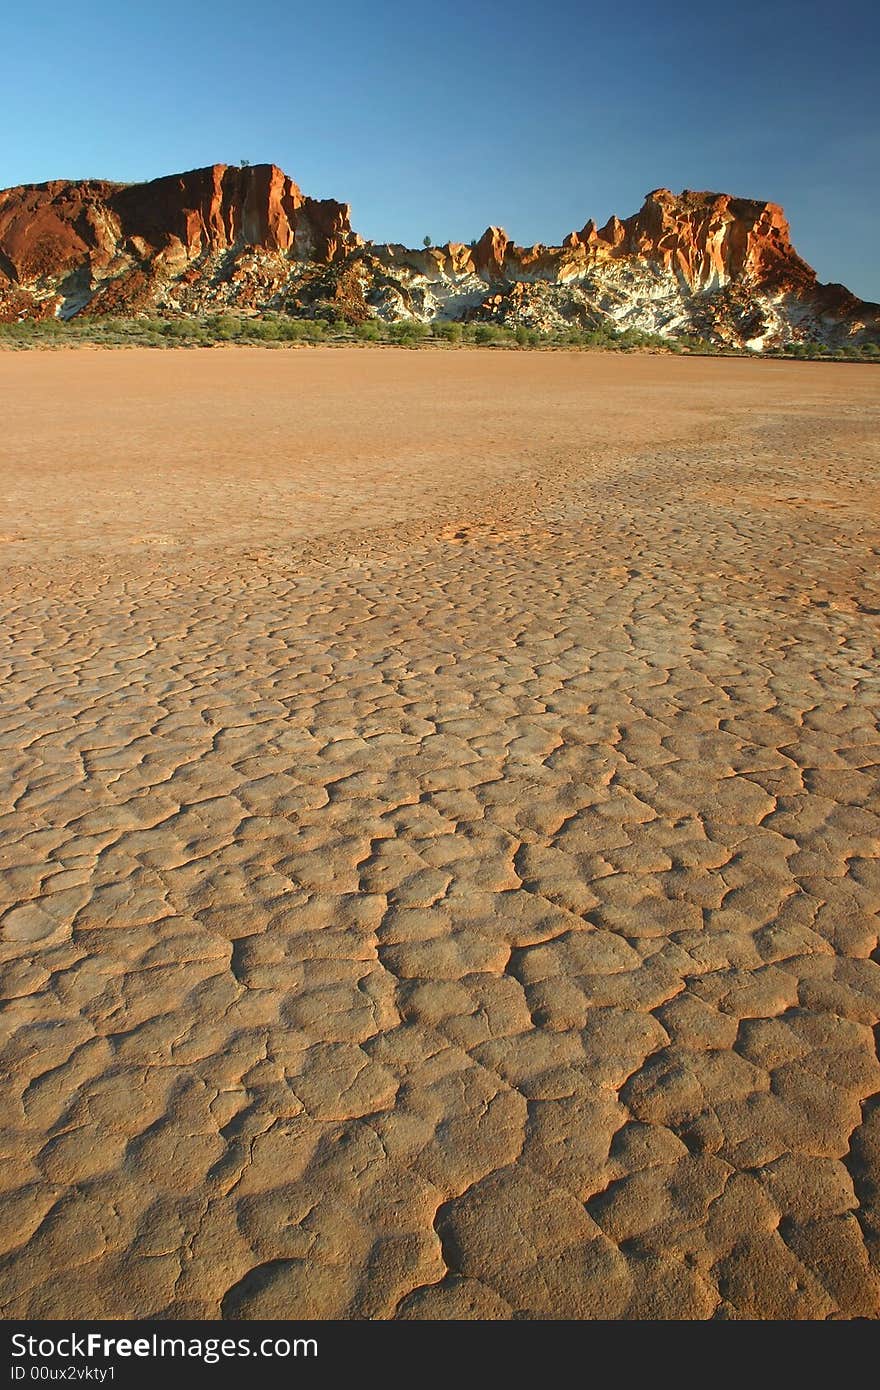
{"x":440,"y":835}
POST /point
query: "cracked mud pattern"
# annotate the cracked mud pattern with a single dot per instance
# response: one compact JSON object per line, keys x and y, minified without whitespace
{"x":440,"y":877}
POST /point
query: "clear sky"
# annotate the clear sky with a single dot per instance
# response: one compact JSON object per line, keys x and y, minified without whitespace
{"x":440,"y":118}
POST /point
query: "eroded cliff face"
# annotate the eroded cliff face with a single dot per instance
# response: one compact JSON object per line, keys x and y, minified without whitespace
{"x":113,"y":248}
{"x":689,"y":263}
{"x":707,"y":239}
{"x":247,"y":238}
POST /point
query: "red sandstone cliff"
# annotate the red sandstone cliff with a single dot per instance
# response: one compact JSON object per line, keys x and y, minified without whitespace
{"x":704,"y":237}
{"x":51,"y":229}
{"x":249,"y":238}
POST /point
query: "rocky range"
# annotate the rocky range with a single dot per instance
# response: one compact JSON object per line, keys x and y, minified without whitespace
{"x":248,"y":239}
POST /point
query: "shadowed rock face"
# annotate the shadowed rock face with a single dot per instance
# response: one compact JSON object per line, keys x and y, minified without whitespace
{"x":247,"y":238}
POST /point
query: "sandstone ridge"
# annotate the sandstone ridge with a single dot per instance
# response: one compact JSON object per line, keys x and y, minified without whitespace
{"x":248,"y":239}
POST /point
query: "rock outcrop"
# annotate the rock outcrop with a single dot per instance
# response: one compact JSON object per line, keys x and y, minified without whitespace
{"x":249,"y":239}
{"x":104,"y":247}
{"x":708,"y":239}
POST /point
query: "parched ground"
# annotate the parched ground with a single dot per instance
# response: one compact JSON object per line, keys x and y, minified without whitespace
{"x":440,"y":832}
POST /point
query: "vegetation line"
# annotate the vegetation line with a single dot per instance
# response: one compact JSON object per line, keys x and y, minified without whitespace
{"x":279,"y":330}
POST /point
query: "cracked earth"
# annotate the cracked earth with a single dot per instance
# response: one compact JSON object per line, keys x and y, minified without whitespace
{"x":439,"y":836}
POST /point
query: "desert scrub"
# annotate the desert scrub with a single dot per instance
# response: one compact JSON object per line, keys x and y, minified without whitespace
{"x":446,"y":331}
{"x":280,"y":330}
{"x":408,"y":332}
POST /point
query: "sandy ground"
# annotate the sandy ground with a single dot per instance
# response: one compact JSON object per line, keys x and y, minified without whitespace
{"x":440,"y":831}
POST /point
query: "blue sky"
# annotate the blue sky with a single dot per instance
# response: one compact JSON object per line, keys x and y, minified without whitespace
{"x":442,"y":118}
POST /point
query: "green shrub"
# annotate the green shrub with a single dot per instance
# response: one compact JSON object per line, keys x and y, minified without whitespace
{"x":485,"y":333}
{"x":447,"y":331}
{"x":602,"y":337}
{"x":408,"y":332}
{"x":292,"y":330}
{"x":176,"y":330}
{"x":265,"y":330}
